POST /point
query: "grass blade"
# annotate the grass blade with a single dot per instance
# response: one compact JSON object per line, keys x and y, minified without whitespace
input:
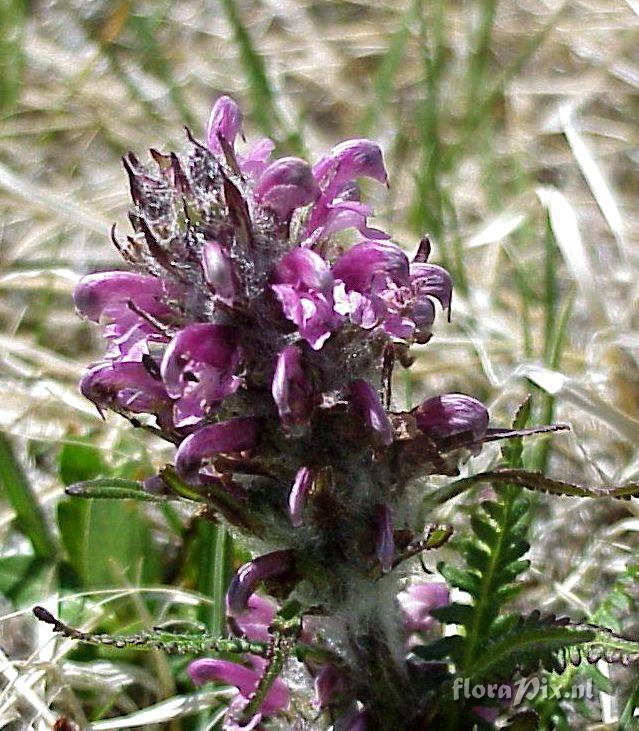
{"x":19,"y":493}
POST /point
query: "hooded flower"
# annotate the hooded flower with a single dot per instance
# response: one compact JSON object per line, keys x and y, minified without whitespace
{"x":198,"y":370}
{"x":248,"y":576}
{"x":128,"y":305}
{"x":365,"y":401}
{"x":126,"y":386}
{"x":298,"y":494}
{"x":285,"y":185}
{"x":225,"y":437}
{"x":452,"y":413}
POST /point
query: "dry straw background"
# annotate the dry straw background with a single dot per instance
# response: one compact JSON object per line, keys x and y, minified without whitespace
{"x":511,"y":137}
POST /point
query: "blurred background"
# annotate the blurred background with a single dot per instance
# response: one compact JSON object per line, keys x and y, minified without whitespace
{"x":510,"y":134}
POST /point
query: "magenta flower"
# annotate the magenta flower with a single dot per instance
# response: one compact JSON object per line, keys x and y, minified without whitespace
{"x":225,"y":123}
{"x":251,"y":574}
{"x":198,"y":370}
{"x":225,"y":437}
{"x":452,"y":413}
{"x":128,"y":305}
{"x":303,"y":284}
{"x":285,"y":185}
{"x":246,"y":680}
{"x":254,"y":623}
{"x":349,"y":160}
{"x":218,"y":271}
{"x":126,"y":386}
{"x":418,"y":600}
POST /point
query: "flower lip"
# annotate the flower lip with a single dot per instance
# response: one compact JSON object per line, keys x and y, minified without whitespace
{"x":291,"y":389}
{"x":244,"y":679}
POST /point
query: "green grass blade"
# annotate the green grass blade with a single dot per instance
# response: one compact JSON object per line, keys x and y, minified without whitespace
{"x":30,"y":518}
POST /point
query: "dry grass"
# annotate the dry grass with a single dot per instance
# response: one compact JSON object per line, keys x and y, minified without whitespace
{"x":511,"y":137}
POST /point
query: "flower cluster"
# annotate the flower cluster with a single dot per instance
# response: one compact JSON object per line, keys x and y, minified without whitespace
{"x":256,"y":328}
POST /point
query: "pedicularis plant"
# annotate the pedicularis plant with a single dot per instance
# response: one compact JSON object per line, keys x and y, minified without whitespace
{"x":246,"y":333}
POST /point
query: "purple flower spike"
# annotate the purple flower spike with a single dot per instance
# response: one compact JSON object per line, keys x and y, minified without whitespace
{"x":452,"y":413}
{"x":291,"y":389}
{"x":247,"y":578}
{"x":234,"y":435}
{"x":255,"y":622}
{"x":225,"y":122}
{"x":349,"y":160}
{"x":218,"y":271}
{"x":303,"y":284}
{"x":299,"y":492}
{"x":125,"y":385}
{"x":367,"y":266}
{"x":198,"y":369}
{"x":385,"y":543}
{"x":365,"y":400}
{"x":244,"y":679}
{"x":417,"y":601}
{"x":285,"y":185}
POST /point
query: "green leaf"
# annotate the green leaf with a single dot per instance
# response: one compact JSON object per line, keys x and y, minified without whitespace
{"x":462,"y":579}
{"x":30,"y":518}
{"x":455,"y":613}
{"x":106,"y":541}
{"x":112,"y":488}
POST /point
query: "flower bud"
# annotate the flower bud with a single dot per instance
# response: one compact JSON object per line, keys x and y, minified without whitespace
{"x":452,"y":413}
{"x":225,"y":122}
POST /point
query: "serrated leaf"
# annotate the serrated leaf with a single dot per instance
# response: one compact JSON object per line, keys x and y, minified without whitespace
{"x":441,"y":648}
{"x":464,"y":580}
{"x":483,"y":529}
{"x":455,"y":613}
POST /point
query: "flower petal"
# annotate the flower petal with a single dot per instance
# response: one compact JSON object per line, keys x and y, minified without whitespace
{"x":249,"y":575}
{"x":417,"y":601}
{"x":285,"y":185}
{"x":234,"y":435}
{"x":298,"y":494}
{"x":452,"y":413}
{"x":365,"y":400}
{"x":368,"y":261}
{"x":291,"y":389}
{"x":225,"y":122}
